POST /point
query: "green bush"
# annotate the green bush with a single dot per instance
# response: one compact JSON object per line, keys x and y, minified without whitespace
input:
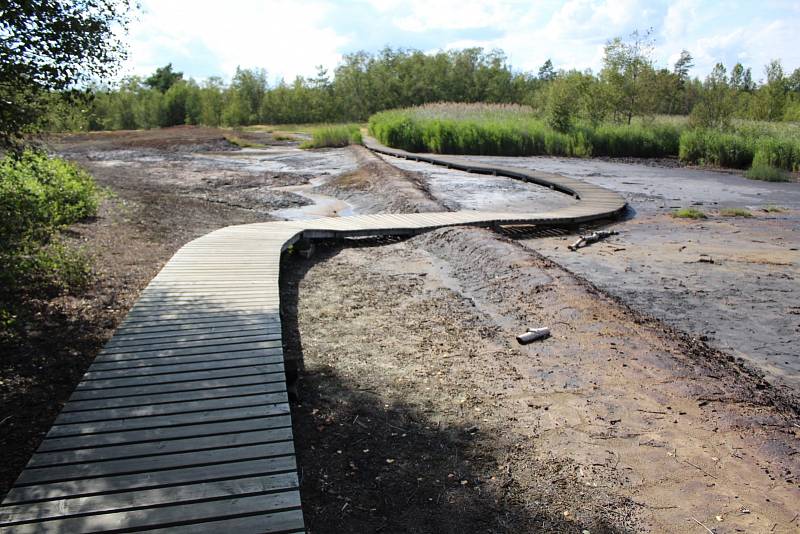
{"x":38,"y":197}
{"x":335,"y":136}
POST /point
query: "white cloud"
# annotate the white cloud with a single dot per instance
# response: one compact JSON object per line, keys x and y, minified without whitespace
{"x":290,"y":37}
{"x":453,"y":15}
{"x":285,"y":37}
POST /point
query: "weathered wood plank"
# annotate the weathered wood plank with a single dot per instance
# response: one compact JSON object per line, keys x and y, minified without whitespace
{"x":253,"y":420}
{"x":118,"y":452}
{"x":104,"y":468}
{"x":74,"y":488}
{"x":147,"y":498}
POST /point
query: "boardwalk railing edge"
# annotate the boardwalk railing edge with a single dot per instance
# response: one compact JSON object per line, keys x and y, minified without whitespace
{"x":182,"y":422}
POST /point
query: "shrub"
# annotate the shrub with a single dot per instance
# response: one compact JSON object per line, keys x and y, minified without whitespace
{"x":334,"y":136}
{"x":767,"y":174}
{"x":38,"y":197}
{"x":689,"y":213}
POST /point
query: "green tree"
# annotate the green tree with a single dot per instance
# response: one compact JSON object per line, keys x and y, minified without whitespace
{"x":212,"y":101}
{"x":716,"y":107}
{"x":52,"y":45}
{"x":769,"y":101}
{"x":163,"y":78}
{"x":626,"y":68}
{"x":682,"y":66}
{"x":737,"y":77}
{"x":546,"y":71}
{"x":793,"y":81}
{"x":245,"y":96}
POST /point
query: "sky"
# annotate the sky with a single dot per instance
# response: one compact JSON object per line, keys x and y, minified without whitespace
{"x":287,"y":38}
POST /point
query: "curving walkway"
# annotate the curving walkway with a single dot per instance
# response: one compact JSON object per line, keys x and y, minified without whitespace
{"x":182,"y":423}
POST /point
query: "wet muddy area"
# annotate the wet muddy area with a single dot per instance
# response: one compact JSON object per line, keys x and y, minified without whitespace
{"x":458,"y":190}
{"x":417,"y":410}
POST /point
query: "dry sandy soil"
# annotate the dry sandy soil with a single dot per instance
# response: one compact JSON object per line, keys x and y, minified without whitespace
{"x":417,"y":411}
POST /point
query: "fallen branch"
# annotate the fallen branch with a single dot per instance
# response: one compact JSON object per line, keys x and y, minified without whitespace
{"x":586,"y":240}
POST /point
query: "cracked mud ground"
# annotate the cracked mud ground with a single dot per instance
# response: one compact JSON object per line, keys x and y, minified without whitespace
{"x":417,"y":410}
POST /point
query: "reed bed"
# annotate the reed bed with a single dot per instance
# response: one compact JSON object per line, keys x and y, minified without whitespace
{"x":514,"y":130}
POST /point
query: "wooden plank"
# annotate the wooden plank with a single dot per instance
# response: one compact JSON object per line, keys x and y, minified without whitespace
{"x":198,"y":334}
{"x":160,"y":421}
{"x":164,"y":516}
{"x":179,"y":377}
{"x":118,"y":452}
{"x":198,"y":394}
{"x":273,"y":355}
{"x":149,"y":464}
{"x":155,"y":479}
{"x":169,"y":408}
{"x":234,"y":377}
{"x":190,"y":351}
{"x":147,"y":498}
{"x":254,"y":421}
{"x":229,"y":339}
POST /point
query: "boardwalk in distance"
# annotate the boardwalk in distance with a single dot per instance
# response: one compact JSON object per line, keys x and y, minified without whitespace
{"x":182,"y":423}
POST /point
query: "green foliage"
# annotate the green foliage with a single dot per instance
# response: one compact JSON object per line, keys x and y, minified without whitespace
{"x":627,"y":71}
{"x":735,"y":212}
{"x":767,"y":174}
{"x":717,"y":104}
{"x":689,"y":213}
{"x":38,"y":197}
{"x":561,"y":104}
{"x":338,"y":135}
{"x":50,"y":45}
{"x":509,"y":130}
{"x":163,"y":78}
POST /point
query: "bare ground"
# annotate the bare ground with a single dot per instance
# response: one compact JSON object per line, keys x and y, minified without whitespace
{"x":607,"y":426}
{"x":417,"y":410}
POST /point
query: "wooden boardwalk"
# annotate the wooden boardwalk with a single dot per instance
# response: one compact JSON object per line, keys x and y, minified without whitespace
{"x":182,"y":423}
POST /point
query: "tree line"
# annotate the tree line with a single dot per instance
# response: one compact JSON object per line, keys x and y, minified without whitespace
{"x":629,"y":84}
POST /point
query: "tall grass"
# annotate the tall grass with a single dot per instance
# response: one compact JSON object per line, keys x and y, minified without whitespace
{"x":512,"y":130}
{"x":745,"y":146}
{"x":337,"y":135}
